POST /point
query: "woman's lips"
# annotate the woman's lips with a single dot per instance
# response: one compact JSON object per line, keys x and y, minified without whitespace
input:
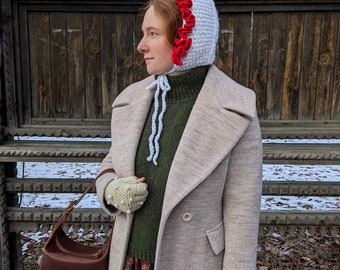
{"x":147,"y":59}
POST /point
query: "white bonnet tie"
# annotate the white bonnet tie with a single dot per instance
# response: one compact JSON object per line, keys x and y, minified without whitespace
{"x":195,"y":45}
{"x":163,"y":85}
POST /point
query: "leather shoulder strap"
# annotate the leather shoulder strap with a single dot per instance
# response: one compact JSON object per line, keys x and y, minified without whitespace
{"x":72,"y":204}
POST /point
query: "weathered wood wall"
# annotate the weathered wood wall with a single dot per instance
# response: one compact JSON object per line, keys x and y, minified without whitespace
{"x":80,"y":62}
{"x":291,"y":59}
{"x":73,"y":58}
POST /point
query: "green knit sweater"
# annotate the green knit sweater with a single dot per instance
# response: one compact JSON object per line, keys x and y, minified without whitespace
{"x":180,"y":100}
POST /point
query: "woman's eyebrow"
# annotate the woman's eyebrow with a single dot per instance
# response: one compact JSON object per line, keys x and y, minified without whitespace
{"x":149,"y":28}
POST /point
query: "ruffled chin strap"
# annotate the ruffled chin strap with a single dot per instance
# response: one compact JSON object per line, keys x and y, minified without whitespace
{"x":163,"y":87}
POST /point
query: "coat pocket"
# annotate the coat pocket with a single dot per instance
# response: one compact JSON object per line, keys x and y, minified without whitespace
{"x":216,"y":238}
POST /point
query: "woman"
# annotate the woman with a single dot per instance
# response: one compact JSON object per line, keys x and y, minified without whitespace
{"x":186,"y":150}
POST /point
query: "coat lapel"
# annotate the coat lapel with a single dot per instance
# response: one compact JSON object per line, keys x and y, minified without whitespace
{"x":133,"y":109}
{"x":218,"y":119}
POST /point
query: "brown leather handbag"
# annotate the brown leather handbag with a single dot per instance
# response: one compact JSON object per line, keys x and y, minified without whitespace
{"x":63,"y":253}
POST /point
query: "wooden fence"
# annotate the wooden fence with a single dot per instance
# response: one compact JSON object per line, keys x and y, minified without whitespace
{"x":64,"y":62}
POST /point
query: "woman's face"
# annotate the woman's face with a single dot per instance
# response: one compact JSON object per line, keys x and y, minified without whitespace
{"x":154,"y":44}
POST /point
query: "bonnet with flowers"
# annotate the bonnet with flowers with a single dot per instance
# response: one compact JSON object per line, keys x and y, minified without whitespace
{"x":195,"y":46}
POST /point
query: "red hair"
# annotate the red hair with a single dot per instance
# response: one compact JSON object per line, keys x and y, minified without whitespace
{"x":167,"y":10}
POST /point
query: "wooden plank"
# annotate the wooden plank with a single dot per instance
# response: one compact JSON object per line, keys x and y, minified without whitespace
{"x":242,"y":48}
{"x":92,"y":60}
{"x":109,"y":62}
{"x":290,"y":217}
{"x":140,"y":71}
{"x":48,"y":185}
{"x":300,"y":129}
{"x":75,"y":64}
{"x":94,"y":151}
{"x":51,"y":215}
{"x":54,"y":151}
{"x":21,"y":112}
{"x":125,"y":51}
{"x":290,"y":88}
{"x":225,"y":49}
{"x":309,"y":65}
{"x":335,"y":114}
{"x":271,"y":129}
{"x":23,"y":219}
{"x":301,"y":188}
{"x":259,"y":60}
{"x":41,"y":72}
{"x":75,"y":185}
{"x":326,"y":66}
{"x":76,"y":128}
{"x":276,"y":63}
{"x":59,"y":64}
{"x":301,"y":153}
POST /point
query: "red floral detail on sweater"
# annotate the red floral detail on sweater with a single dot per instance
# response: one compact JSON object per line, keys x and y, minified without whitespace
{"x":183,"y":42}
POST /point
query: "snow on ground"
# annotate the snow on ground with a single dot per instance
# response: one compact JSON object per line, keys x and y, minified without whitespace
{"x":281,"y":172}
{"x":275,"y":172}
{"x":270,"y":172}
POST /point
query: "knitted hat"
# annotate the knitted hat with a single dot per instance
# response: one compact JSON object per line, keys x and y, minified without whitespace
{"x":195,"y":46}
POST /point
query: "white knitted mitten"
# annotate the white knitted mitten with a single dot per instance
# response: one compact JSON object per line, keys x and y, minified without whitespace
{"x":126,"y":194}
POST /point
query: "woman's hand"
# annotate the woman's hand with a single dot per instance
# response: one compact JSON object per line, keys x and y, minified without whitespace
{"x":127,"y":194}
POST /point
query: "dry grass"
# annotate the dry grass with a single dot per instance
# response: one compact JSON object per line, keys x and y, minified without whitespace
{"x":275,"y":252}
{"x":299,"y":253}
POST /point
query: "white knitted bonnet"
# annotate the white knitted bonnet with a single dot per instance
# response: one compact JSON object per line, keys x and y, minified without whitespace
{"x":195,"y":46}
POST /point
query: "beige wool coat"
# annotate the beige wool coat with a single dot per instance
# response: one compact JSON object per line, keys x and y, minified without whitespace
{"x":211,"y":207}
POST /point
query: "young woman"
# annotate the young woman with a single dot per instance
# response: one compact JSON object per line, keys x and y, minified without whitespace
{"x":186,"y":150}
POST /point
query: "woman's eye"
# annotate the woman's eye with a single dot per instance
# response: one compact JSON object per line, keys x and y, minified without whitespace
{"x":153,"y":34}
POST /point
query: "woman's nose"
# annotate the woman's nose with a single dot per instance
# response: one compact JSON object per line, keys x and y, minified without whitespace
{"x":141,"y":46}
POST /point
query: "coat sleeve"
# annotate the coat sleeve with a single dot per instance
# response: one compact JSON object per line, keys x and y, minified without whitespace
{"x":103,"y":181}
{"x":242,"y":200}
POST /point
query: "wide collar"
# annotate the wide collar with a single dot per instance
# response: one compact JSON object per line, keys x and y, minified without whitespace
{"x":217,"y":121}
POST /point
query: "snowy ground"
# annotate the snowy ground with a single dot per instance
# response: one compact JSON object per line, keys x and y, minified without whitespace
{"x":270,"y":172}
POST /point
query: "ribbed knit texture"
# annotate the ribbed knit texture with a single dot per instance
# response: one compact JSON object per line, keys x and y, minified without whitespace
{"x":180,"y":100}
{"x":204,"y":35}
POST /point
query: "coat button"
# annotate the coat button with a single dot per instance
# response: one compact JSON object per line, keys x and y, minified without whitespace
{"x":187,"y":217}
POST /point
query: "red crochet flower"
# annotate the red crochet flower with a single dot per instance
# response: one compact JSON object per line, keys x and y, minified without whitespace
{"x":183,"y":42}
